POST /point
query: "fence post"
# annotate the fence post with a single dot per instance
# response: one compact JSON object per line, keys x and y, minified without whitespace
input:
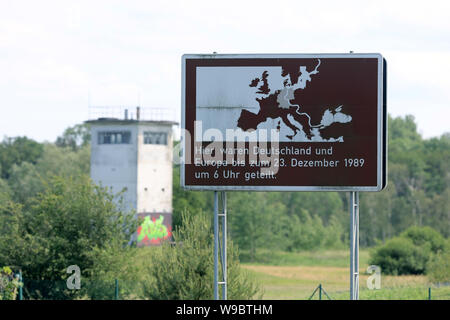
{"x":117,"y":289}
{"x":21,"y":286}
{"x":320,"y":291}
{"x":429,"y":293}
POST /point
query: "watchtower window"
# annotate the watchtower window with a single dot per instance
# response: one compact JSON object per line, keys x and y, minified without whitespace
{"x":114,"y":137}
{"x":155,"y":137}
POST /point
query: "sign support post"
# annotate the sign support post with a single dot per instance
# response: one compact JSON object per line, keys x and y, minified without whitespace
{"x":354,"y":245}
{"x":220,"y":247}
{"x":216,"y":245}
{"x":224,"y":246}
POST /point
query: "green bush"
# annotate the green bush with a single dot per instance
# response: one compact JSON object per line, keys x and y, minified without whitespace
{"x":185,"y":271}
{"x":438,"y":268}
{"x":126,"y":264}
{"x":410,"y":252}
{"x":68,"y":224}
{"x":425,"y":236}
{"x":400,"y":256}
{"x":8,"y":284}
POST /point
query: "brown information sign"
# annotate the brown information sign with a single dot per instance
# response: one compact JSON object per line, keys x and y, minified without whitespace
{"x":299,"y":122}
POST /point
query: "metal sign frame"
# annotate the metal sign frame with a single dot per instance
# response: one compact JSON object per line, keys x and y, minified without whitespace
{"x":220,"y":250}
{"x":381,"y":123}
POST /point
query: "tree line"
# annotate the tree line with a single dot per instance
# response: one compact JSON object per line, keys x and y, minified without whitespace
{"x":417,"y":194}
{"x":52,"y":215}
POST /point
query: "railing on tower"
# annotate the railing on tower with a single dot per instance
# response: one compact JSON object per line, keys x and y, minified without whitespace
{"x":132,"y":113}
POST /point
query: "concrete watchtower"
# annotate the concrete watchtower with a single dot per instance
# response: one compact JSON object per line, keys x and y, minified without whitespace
{"x":136,"y":156}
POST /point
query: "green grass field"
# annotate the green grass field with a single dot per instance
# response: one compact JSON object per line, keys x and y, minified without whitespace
{"x":290,"y":276}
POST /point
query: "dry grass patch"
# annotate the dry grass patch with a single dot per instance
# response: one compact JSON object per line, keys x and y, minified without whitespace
{"x":289,"y":282}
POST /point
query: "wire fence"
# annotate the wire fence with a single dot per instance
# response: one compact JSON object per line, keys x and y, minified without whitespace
{"x":434,"y":292}
{"x":116,"y":289}
{"x":89,"y":289}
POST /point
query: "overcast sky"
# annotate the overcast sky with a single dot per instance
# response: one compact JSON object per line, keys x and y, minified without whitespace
{"x":57,"y":57}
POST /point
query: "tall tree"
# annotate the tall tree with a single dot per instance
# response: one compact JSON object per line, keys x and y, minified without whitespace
{"x":14,"y":151}
{"x":64,"y":225}
{"x":75,"y":137}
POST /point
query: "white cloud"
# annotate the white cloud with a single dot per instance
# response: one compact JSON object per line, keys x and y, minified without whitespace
{"x":52,"y":53}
